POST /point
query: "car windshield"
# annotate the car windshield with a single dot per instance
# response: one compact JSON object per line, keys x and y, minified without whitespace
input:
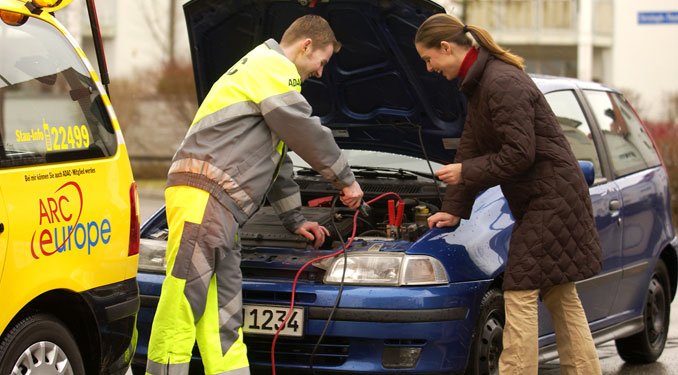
{"x":379,"y":160}
{"x":50,"y":108}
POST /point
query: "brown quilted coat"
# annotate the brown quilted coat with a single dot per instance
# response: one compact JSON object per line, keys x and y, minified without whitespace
{"x":512,"y":138}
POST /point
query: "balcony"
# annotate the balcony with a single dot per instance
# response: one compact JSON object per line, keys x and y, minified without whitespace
{"x":540,"y":22}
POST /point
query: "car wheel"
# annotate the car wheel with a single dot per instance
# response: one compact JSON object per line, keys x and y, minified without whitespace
{"x":487,"y":338}
{"x":646,"y":346}
{"x":40,"y":344}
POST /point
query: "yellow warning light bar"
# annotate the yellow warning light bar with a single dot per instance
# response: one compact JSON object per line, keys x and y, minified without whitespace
{"x":12,"y":18}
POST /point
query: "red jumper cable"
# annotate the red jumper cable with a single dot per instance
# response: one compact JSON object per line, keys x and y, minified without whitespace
{"x":398,"y":220}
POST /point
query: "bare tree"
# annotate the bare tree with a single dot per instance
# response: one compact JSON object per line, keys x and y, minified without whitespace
{"x":634,"y":97}
{"x":672,"y":107}
{"x":173,"y":81}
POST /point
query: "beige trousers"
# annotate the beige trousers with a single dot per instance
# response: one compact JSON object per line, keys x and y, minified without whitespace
{"x":520,"y":355}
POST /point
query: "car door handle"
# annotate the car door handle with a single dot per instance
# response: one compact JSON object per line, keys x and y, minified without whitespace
{"x":2,"y":227}
{"x":615,"y":205}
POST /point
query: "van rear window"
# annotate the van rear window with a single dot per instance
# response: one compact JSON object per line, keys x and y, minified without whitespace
{"x":50,"y":109}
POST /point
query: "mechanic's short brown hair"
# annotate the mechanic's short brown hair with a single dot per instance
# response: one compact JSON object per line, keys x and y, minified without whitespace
{"x":313,"y":27}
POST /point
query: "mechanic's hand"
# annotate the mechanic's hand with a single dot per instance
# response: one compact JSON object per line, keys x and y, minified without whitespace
{"x":313,"y":232}
{"x":450,"y":173}
{"x":351,"y":195}
{"x":442,"y":219}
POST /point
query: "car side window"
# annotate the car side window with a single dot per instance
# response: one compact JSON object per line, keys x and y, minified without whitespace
{"x":629,"y":145}
{"x":572,"y":121}
{"x":50,"y":109}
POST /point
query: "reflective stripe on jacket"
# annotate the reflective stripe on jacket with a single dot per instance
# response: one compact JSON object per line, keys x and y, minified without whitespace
{"x":235,"y":146}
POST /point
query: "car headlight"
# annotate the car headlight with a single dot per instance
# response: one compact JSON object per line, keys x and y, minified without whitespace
{"x":152,"y":255}
{"x":387,"y":269}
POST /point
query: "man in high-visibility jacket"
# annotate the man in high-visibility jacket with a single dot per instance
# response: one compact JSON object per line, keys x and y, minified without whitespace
{"x":231,"y":159}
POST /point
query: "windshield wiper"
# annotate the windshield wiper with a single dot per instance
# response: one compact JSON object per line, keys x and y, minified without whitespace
{"x":305,"y":171}
{"x":398,"y":173}
{"x":371,"y":172}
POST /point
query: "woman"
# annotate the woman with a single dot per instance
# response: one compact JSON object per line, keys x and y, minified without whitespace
{"x":512,"y":138}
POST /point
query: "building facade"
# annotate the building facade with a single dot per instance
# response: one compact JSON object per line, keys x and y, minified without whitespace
{"x":628,"y":44}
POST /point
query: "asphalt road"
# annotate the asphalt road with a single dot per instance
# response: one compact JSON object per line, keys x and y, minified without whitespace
{"x":611,"y":363}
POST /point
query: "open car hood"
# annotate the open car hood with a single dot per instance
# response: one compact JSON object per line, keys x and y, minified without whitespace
{"x":375,"y":94}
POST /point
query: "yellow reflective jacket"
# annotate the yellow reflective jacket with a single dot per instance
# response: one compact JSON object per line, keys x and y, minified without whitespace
{"x":235,"y":148}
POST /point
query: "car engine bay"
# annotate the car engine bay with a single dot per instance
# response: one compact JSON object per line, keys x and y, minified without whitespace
{"x":386,"y":219}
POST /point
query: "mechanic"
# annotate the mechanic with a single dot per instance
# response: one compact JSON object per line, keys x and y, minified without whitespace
{"x":512,"y":138}
{"x":232,"y":158}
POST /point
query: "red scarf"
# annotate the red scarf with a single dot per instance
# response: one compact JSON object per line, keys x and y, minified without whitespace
{"x":469,"y":59}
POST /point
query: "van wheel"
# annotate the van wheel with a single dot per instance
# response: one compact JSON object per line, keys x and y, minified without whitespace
{"x":40,"y":344}
{"x":487,"y":338}
{"x":647,"y":345}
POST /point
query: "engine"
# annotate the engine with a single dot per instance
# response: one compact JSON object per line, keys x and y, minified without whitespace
{"x":384,"y":219}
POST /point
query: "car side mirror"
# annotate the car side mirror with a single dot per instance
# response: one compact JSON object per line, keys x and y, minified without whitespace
{"x":588,"y":170}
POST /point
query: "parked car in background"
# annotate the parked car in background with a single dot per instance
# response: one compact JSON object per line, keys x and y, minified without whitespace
{"x":403,"y":298}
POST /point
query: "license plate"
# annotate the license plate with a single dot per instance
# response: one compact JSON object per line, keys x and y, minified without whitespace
{"x":265,"y":320}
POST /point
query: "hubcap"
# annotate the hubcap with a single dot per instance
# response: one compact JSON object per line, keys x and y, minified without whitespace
{"x":491,"y":346}
{"x":655,"y":312}
{"x":43,"y":358}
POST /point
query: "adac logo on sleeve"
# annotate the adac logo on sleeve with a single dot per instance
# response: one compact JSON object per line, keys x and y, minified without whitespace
{"x":60,"y":228}
{"x":293,"y":82}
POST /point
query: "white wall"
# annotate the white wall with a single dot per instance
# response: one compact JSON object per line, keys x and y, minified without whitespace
{"x":141,"y":34}
{"x":645,"y":56}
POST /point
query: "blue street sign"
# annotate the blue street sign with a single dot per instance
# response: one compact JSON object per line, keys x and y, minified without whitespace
{"x":648,"y":18}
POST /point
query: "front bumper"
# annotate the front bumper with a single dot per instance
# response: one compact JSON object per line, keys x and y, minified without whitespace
{"x":430,"y":327}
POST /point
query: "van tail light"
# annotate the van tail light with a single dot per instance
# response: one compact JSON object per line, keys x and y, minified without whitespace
{"x":13,"y":19}
{"x":134,"y":227}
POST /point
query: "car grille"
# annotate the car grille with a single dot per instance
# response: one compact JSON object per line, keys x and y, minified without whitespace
{"x":264,"y":297}
{"x":332,"y":351}
{"x":260,"y":273}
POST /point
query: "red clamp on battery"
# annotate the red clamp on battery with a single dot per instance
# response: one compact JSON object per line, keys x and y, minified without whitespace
{"x":391,"y":212}
{"x":321,"y":202}
{"x":401,"y":211}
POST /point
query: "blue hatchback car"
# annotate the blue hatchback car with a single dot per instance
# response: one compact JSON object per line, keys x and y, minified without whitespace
{"x":402,"y":298}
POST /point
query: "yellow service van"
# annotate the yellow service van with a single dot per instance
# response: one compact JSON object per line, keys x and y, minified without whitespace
{"x":69,"y":218}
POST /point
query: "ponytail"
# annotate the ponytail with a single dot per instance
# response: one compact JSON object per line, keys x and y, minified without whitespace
{"x":443,"y":27}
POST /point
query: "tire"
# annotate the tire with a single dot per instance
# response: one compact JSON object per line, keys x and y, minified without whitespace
{"x":487,"y":337}
{"x":42,"y":344}
{"x":646,"y":346}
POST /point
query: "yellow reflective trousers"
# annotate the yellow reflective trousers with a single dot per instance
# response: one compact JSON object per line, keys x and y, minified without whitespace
{"x":201,"y":296}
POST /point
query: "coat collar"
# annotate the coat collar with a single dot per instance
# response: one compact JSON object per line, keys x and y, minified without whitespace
{"x":272,"y":44}
{"x":470,"y":83}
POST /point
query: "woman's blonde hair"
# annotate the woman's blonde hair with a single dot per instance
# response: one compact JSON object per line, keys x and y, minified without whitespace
{"x":444,"y":27}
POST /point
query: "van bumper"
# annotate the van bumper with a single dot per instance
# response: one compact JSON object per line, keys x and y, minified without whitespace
{"x":115,"y":307}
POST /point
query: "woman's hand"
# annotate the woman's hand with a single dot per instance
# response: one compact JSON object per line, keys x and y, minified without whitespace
{"x":442,"y":219}
{"x":450,"y":173}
